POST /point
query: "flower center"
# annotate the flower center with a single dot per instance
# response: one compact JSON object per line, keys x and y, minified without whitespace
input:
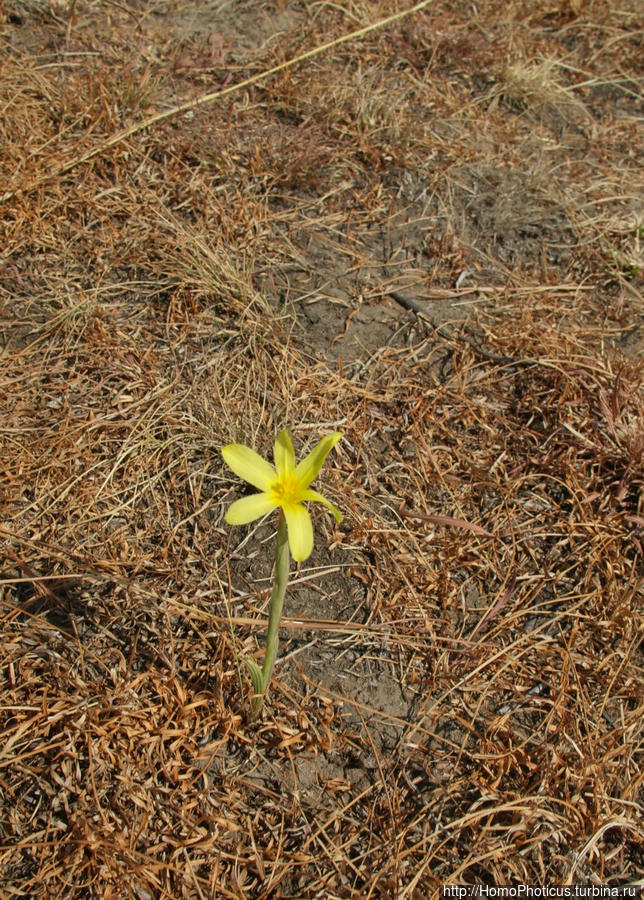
{"x":286,"y":490}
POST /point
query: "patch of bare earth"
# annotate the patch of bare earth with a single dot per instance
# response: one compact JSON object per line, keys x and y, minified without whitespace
{"x":428,"y":237}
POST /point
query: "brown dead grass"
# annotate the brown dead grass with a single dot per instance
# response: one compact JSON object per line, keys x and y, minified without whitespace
{"x":460,"y":695}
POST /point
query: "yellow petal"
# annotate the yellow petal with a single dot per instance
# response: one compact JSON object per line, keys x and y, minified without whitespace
{"x":300,"y":530}
{"x":283,"y":454}
{"x":249,"y":465}
{"x":309,"y":467}
{"x":318,"y":498}
{"x":249,"y":508}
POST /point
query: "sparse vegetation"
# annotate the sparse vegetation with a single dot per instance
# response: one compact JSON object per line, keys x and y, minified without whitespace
{"x":460,"y":692}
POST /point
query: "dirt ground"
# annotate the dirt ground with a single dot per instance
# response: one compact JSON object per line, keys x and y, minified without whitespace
{"x":421,"y":226}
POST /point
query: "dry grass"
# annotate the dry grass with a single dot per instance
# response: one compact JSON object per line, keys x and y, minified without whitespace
{"x":460,"y":694}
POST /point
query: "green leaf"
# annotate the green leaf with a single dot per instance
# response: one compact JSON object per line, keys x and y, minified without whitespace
{"x":256,"y":676}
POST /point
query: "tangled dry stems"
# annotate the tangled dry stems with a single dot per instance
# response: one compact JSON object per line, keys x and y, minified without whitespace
{"x":460,"y":695}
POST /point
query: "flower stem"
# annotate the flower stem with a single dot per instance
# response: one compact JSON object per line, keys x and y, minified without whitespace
{"x":282,"y":560}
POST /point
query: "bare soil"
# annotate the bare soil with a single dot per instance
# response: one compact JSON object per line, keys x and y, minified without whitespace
{"x":420,"y":227}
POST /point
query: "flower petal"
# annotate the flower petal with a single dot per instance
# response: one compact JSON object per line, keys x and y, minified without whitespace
{"x":309,"y":467}
{"x":300,"y":530}
{"x":283,"y":454}
{"x":246,"y":510}
{"x":249,"y":465}
{"x":318,"y":498}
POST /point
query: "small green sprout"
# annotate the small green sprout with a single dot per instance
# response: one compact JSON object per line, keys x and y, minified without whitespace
{"x":284,"y":487}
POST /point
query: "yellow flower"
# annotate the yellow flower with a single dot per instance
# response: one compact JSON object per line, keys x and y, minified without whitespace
{"x":285,"y":486}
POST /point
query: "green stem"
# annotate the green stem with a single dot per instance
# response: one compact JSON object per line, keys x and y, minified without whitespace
{"x":282,"y":560}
